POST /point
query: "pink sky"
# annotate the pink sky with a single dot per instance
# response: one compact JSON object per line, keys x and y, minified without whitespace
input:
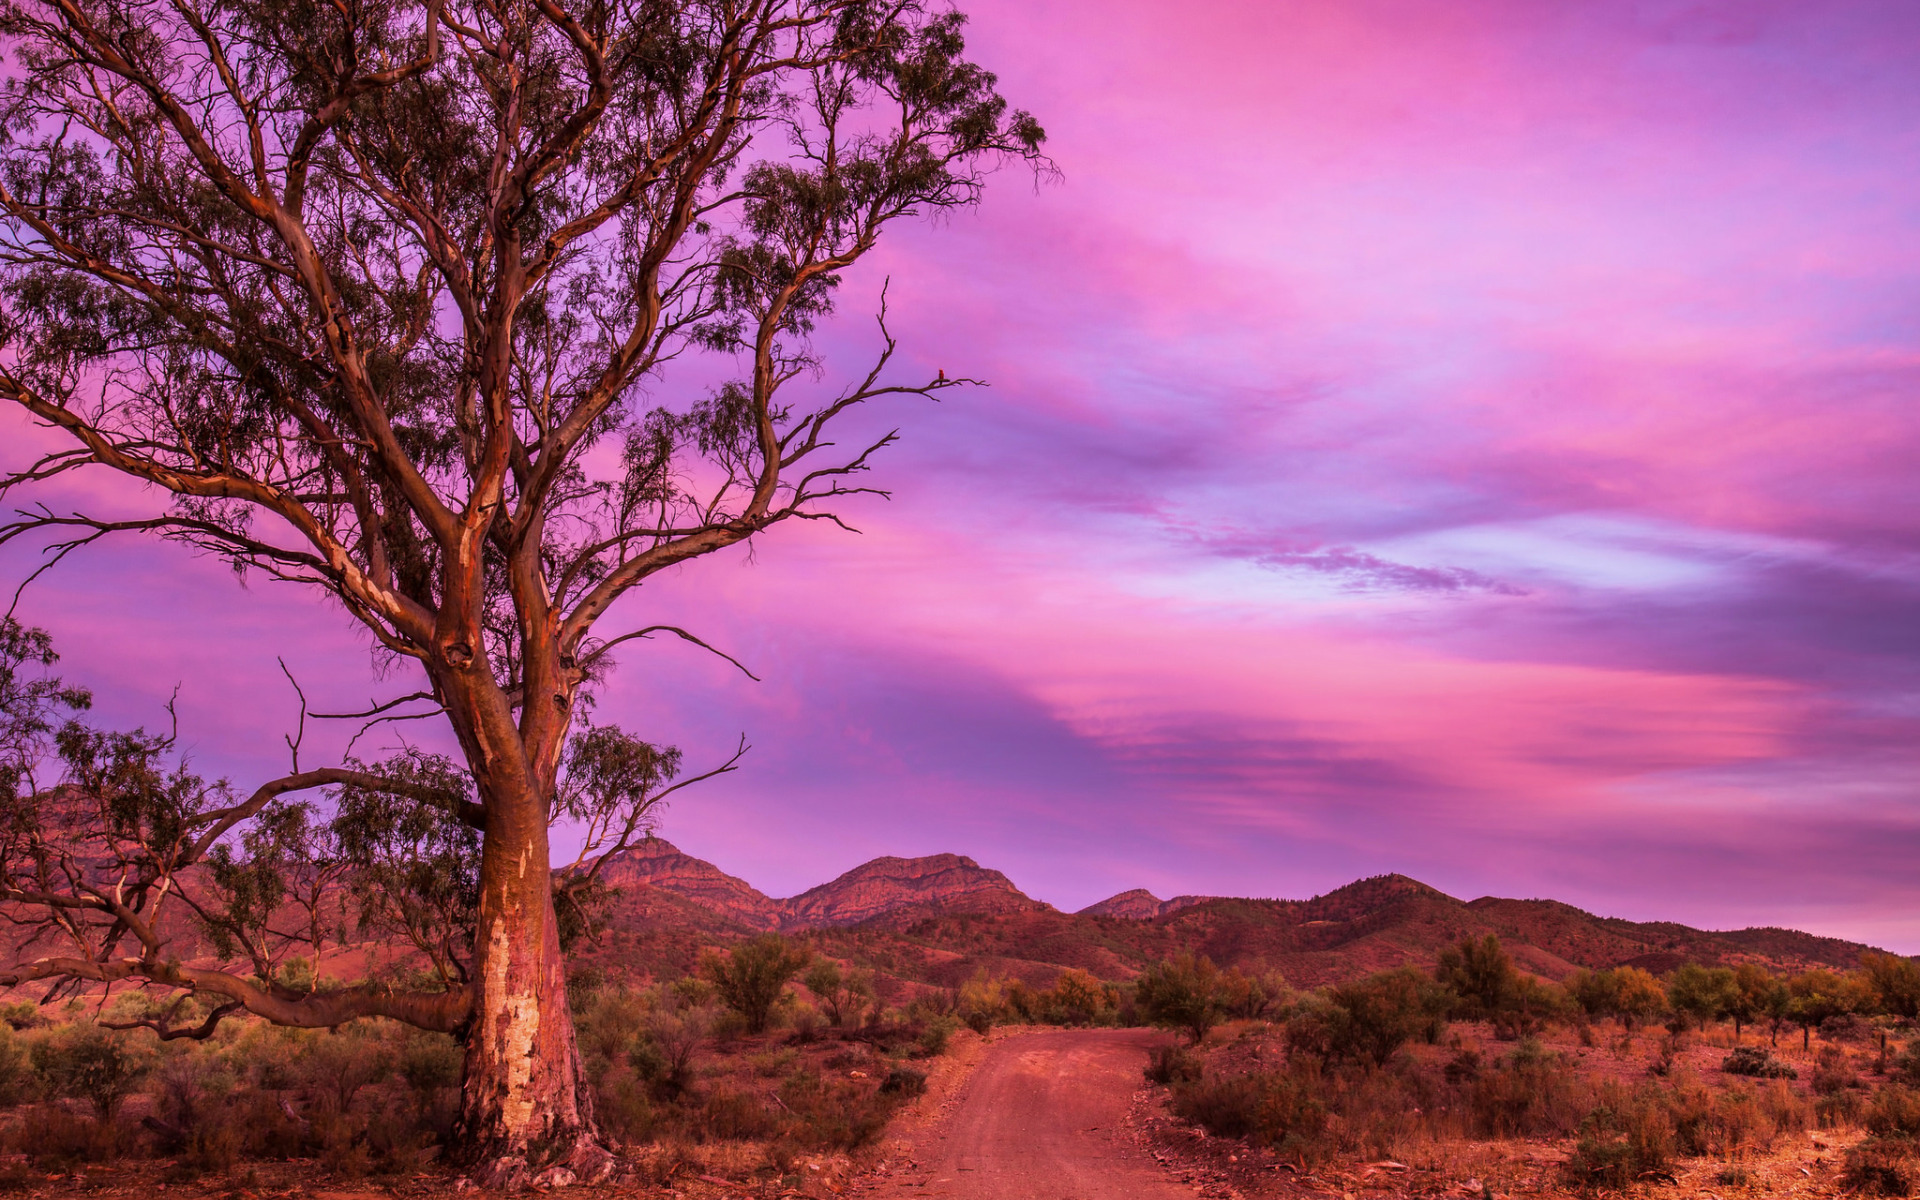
{"x":1475,"y":440}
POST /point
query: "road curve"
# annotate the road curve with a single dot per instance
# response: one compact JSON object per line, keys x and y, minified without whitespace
{"x":1041,"y":1118}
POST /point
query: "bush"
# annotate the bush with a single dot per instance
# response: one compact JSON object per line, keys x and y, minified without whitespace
{"x":1481,"y":976}
{"x":16,"y":1072}
{"x":1756,"y":1062}
{"x":1370,"y":1020}
{"x":1167,"y":1065}
{"x":751,"y":979}
{"x":905,"y":1082}
{"x":733,"y":1116}
{"x":431,"y":1064}
{"x":1881,"y":1166}
{"x":86,"y":1062}
{"x":1832,"y":1072}
{"x":932,"y":1042}
{"x":835,"y":1114}
{"x":845,"y":995}
{"x":1182,"y":993}
{"x":1622,"y":1141}
{"x":1532,"y":1094}
{"x":1895,"y":1112}
{"x":1287,"y":1112}
{"x":338,"y":1063}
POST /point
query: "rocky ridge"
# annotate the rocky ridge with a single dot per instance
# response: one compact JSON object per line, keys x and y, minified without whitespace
{"x":889,"y":890}
{"x":1139,"y":904}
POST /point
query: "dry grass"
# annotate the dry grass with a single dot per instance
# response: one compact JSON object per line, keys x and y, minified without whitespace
{"x":1413,"y":1128}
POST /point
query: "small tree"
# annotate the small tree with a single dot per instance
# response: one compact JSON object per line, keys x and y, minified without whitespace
{"x":844,"y":994}
{"x":1749,"y":1003}
{"x":91,"y":1063}
{"x":1368,"y":1020}
{"x":1597,"y":993}
{"x":1182,"y":992}
{"x":1895,"y":982}
{"x":750,"y":979}
{"x":1814,"y":996}
{"x":1481,"y":973}
{"x":1637,"y":997}
{"x":1703,"y":994}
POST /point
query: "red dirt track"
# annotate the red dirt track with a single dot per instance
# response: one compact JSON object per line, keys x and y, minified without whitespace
{"x":1041,"y":1118}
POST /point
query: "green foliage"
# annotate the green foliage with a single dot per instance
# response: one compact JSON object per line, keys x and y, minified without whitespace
{"x":843,"y":994}
{"x":752,"y":977}
{"x":431,"y":1064}
{"x":1703,"y":995}
{"x":1369,"y":1020}
{"x":1481,"y":974}
{"x":86,"y":1062}
{"x":1182,"y":992}
{"x":1895,"y":983}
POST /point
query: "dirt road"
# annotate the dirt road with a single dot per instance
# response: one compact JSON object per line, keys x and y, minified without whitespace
{"x":1041,"y":1118}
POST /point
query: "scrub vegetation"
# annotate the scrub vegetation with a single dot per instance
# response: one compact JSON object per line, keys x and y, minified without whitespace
{"x":1629,"y":1075}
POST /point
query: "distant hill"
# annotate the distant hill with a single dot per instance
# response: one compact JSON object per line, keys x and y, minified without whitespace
{"x":888,"y":891}
{"x":1139,"y":904}
{"x":939,"y":919}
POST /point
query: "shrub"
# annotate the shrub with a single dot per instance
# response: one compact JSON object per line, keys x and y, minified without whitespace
{"x":750,"y":980}
{"x":1531,"y":1094}
{"x":826,"y":1114}
{"x":59,"y":1141}
{"x":431,"y":1064}
{"x":338,"y":1063}
{"x":22,"y":1014}
{"x":623,"y":1107}
{"x":662,"y":1054}
{"x":1895,"y":1112}
{"x":1907,"y":1066}
{"x":1249,"y":997}
{"x":1168,"y":1065}
{"x":1621,"y":1141}
{"x":932,"y":1042}
{"x":1837,"y":1109}
{"x":1077,"y":998}
{"x":1705,"y":1122}
{"x":904,"y":1081}
{"x":1756,"y":1062}
{"x":86,"y":1062}
{"x":728,"y":1115}
{"x":1287,"y":1112}
{"x":16,"y":1072}
{"x":1833,"y":1072}
{"x":1480,"y":974}
{"x":1182,"y":993}
{"x":1369,"y":1020}
{"x":1881,"y":1166}
{"x":844,"y":995}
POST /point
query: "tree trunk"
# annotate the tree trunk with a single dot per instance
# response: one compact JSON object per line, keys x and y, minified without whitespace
{"x":526,"y":1110}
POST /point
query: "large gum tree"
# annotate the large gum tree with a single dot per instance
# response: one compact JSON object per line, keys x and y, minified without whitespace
{"x":379,"y":297}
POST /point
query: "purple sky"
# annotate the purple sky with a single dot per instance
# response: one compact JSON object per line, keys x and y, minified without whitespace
{"x":1469,"y":439}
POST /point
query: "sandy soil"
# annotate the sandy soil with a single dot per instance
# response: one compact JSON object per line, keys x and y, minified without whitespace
{"x":1043,"y":1116}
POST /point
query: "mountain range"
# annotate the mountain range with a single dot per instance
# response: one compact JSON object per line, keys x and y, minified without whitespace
{"x":940,"y":918}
